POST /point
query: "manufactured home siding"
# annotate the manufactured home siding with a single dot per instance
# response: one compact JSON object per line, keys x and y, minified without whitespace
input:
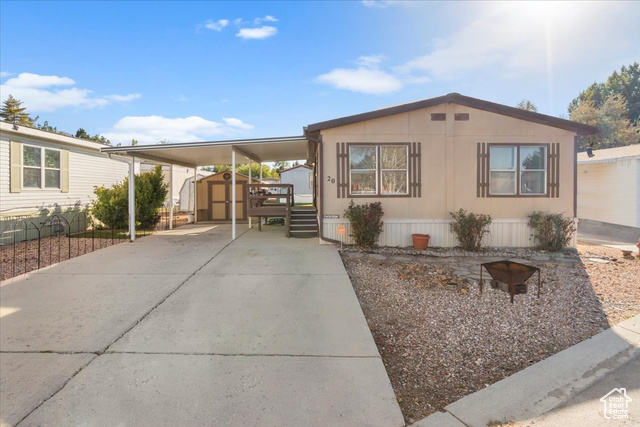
{"x":87,"y":168}
{"x":299,"y":177}
{"x":606,"y":191}
{"x":448,"y":173}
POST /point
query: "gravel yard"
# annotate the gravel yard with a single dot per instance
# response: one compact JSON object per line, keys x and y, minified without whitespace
{"x":440,"y":339}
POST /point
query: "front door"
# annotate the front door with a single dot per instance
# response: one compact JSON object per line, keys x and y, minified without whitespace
{"x":220,"y":201}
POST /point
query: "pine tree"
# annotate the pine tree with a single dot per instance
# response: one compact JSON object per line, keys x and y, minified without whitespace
{"x":12,"y":111}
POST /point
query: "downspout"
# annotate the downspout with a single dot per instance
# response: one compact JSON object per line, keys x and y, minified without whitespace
{"x":575,"y":176}
{"x":320,"y":189}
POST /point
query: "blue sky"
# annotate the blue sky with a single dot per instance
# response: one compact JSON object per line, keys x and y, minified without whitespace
{"x":191,"y":71}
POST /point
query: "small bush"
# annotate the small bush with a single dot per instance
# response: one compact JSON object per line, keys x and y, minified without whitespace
{"x":366,"y":223}
{"x":112,"y":206}
{"x":551,"y":232}
{"x":470,"y":228}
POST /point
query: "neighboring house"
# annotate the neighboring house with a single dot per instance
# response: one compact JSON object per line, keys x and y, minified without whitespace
{"x":186,"y":195}
{"x":45,"y":172}
{"x":426,"y":159}
{"x":609,"y":186}
{"x":180,"y":174}
{"x":301,"y":177}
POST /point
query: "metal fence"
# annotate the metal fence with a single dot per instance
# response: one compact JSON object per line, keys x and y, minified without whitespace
{"x":28,"y":244}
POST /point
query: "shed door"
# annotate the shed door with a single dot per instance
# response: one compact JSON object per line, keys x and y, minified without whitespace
{"x":220,"y":201}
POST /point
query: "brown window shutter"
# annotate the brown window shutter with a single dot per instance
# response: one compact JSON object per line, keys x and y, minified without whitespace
{"x":64,"y":171}
{"x":415,"y":169}
{"x":482,"y":172}
{"x":342,"y":170}
{"x":553,"y":171}
{"x":16,"y":167}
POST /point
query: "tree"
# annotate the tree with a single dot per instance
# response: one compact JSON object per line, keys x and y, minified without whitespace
{"x":243,"y":169}
{"x":525,"y":104}
{"x":614,"y":128}
{"x":111,"y":207}
{"x":625,"y":83}
{"x":81,"y":133}
{"x":613,"y":106}
{"x":47,"y":127}
{"x":12,"y":111}
{"x":134,"y":142}
{"x":279,"y":166}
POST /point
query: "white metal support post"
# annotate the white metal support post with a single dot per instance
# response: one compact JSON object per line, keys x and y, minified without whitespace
{"x":247,"y":202}
{"x":233,"y":194}
{"x":195,"y":195}
{"x":132,"y":199}
{"x":171,"y":197}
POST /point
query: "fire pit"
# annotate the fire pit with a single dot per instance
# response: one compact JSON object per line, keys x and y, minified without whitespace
{"x":509,"y":276}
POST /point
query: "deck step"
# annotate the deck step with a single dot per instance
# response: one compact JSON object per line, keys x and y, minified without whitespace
{"x":304,"y":223}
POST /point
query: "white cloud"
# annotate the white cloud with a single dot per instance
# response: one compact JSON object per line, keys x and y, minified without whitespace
{"x":370,"y":60}
{"x":267,"y":18}
{"x":257,"y":33}
{"x":40,"y":93}
{"x":237,"y":123}
{"x":520,"y":38}
{"x":30,"y":80}
{"x":152,"y":129}
{"x":380,"y":4}
{"x":365,"y":80}
{"x":4,"y":74}
{"x":123,"y":98}
{"x":217,"y":25}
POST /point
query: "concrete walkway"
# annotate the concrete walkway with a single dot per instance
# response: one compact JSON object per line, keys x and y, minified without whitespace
{"x":188,"y":328}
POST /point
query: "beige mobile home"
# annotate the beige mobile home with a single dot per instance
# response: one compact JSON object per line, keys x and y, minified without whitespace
{"x":425,"y":159}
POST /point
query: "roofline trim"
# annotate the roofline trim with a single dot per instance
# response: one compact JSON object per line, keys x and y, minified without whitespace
{"x":183,"y":145}
{"x":456,"y":98}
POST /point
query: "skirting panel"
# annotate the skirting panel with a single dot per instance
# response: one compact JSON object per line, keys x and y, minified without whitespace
{"x":514,"y":233}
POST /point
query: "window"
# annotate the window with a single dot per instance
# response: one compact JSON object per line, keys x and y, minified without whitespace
{"x":378,"y":170}
{"x":40,"y":167}
{"x":517,"y":170}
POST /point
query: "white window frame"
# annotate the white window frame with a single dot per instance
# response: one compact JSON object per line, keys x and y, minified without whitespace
{"x":518,"y":171}
{"x":42,"y":168}
{"x":406,"y":170}
{"x":378,"y":170}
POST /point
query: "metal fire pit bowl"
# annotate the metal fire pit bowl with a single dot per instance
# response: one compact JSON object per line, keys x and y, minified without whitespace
{"x":512,"y":274}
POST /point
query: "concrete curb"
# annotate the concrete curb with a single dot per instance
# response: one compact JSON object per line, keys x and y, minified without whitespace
{"x":536,"y":390}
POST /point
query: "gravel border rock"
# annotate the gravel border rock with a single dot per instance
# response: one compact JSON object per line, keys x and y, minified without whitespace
{"x":441,"y":339}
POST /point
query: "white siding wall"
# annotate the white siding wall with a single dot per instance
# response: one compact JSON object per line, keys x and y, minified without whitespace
{"x":397,"y":232}
{"x":610,"y":192}
{"x":299,"y":177}
{"x":87,"y":168}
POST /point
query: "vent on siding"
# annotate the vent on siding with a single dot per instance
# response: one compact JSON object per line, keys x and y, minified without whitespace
{"x":438,"y":117}
{"x":461,"y":116}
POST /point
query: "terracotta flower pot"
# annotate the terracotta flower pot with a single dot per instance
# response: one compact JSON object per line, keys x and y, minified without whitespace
{"x":420,"y":241}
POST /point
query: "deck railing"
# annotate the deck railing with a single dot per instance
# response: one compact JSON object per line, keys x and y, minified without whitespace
{"x":265,"y":200}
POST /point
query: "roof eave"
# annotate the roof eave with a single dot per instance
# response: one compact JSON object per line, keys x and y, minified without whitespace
{"x":456,"y":98}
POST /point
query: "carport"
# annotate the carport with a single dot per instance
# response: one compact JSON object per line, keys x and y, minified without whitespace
{"x":206,"y":153}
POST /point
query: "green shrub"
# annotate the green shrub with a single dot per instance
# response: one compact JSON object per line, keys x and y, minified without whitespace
{"x":112,"y":204}
{"x":551,"y":232}
{"x":470,"y":228}
{"x":366,"y":223}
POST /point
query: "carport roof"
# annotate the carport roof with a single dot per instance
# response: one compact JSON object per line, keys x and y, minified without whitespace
{"x":206,"y":153}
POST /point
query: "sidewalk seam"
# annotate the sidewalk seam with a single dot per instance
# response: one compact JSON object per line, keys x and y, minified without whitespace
{"x":95,"y":356}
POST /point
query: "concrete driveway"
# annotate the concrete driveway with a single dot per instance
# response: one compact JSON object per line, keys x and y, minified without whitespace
{"x":188,"y":328}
